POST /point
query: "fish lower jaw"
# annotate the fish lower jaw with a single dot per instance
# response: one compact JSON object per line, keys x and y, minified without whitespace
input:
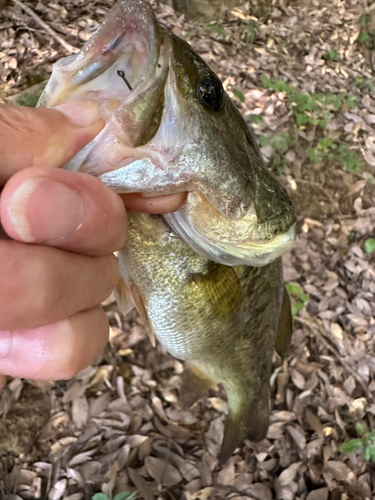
{"x":255,"y":254}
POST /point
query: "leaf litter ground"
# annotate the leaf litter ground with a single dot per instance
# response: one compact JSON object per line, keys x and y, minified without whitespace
{"x":117,"y":426}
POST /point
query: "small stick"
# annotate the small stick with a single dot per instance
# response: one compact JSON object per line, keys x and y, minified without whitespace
{"x":48,"y":29}
{"x":121,"y":73}
{"x":315,"y":329}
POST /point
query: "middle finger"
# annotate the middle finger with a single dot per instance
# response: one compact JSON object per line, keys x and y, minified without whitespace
{"x":41,"y":285}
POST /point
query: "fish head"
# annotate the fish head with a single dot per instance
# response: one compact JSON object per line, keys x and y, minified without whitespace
{"x":171,"y":127}
{"x":237,"y":213}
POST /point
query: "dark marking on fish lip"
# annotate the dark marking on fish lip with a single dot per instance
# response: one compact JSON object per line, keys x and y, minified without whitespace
{"x":121,"y":74}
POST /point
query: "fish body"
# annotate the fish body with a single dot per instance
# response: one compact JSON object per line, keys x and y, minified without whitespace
{"x":222,"y":321}
{"x":171,"y":127}
{"x":207,"y":279}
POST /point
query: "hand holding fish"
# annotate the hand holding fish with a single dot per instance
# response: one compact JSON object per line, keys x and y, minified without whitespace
{"x":56,"y":262}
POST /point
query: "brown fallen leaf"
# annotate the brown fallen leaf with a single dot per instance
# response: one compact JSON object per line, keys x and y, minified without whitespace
{"x":163,"y":472}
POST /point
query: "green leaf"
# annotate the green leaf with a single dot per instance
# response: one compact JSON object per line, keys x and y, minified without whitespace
{"x":366,"y":453}
{"x":238,"y":94}
{"x":351,"y":101}
{"x":360,"y":428}
{"x":370,"y":245}
{"x":218,"y":29}
{"x":190,"y":34}
{"x":298,"y":297}
{"x":351,"y":446}
{"x":364,"y":37}
{"x":294,"y":288}
{"x":100,"y":496}
{"x":28,"y":100}
{"x":258,"y":118}
{"x":125,"y":495}
{"x":372,"y":453}
{"x":331,"y":55}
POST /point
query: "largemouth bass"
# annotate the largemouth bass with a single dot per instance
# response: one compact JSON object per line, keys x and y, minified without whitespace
{"x":170,"y":127}
{"x":223,"y":321}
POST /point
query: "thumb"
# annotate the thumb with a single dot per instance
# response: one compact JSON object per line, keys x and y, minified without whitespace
{"x":44,"y":137}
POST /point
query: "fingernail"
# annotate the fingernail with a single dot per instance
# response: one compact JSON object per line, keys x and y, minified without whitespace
{"x":81,"y":113}
{"x":42,"y":210}
{"x":5,"y":344}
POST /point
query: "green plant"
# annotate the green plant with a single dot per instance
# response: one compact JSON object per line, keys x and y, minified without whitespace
{"x":252,"y":29}
{"x":255,"y":119}
{"x":363,"y":83}
{"x":280,"y":143}
{"x":124,"y":495}
{"x":237,"y":93}
{"x":310,"y":109}
{"x":331,"y":55}
{"x":370,"y":245}
{"x":316,"y":110}
{"x":339,"y":152}
{"x":29,"y":100}
{"x":298,"y":297}
{"x":363,"y":445}
{"x":217,"y":29}
{"x":366,"y":36}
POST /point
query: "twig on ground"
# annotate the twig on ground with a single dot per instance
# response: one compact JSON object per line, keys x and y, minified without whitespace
{"x":48,"y":29}
{"x":315,"y":329}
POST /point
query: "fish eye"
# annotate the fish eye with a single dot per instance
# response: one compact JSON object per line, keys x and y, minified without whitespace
{"x":210,"y":93}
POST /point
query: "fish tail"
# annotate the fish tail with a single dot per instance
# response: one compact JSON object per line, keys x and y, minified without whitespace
{"x":249,"y":422}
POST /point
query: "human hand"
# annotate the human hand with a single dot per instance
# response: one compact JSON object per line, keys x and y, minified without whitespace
{"x":58,"y":265}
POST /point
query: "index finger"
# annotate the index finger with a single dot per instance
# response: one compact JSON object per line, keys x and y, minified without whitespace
{"x":41,"y":137}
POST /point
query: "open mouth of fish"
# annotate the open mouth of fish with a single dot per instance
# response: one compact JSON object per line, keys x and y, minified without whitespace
{"x":170,"y":127}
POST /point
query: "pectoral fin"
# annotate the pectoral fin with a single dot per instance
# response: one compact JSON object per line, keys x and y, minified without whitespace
{"x":141,"y":308}
{"x":124,"y":297}
{"x":250,"y":422}
{"x":194,"y":384}
{"x":285,"y":328}
{"x":221,"y":287}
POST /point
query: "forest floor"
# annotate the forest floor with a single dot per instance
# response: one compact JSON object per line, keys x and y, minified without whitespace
{"x":302,"y":73}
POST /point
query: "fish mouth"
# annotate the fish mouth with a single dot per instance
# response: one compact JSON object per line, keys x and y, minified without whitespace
{"x":249,"y":253}
{"x":126,"y":45}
